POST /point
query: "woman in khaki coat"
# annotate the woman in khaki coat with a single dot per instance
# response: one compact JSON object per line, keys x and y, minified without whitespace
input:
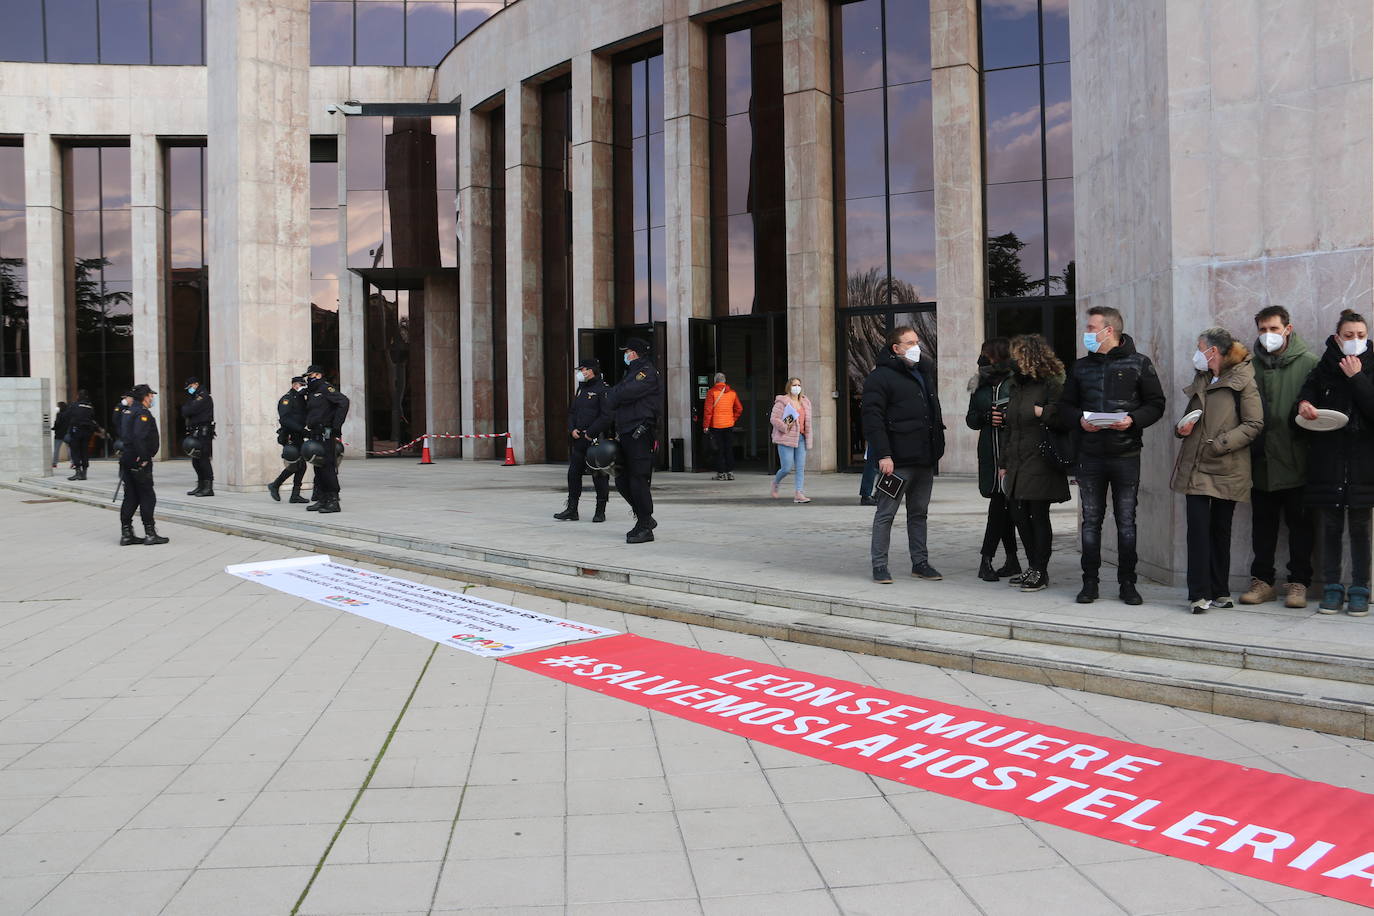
{"x":1213,"y":469}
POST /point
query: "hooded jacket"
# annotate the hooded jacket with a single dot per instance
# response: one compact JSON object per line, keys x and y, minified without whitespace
{"x":990,"y":387}
{"x":1214,"y":459}
{"x":722,"y":408}
{"x":1122,"y":380}
{"x":901,"y":414}
{"x":1340,"y":465}
{"x":790,"y":434}
{"x":1030,"y":475}
{"x":1278,"y":458}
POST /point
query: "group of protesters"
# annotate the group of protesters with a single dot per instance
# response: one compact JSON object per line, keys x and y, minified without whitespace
{"x":1288,"y":429}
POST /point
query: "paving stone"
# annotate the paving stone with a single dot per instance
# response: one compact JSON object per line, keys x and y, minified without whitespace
{"x":873,"y":860}
{"x":265,"y":846}
{"x":385,"y":887}
{"x":136,"y":891}
{"x":153,"y":848}
{"x":629,"y":877}
{"x":235,"y":891}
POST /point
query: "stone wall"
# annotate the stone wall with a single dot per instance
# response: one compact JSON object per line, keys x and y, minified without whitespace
{"x":26,"y":412}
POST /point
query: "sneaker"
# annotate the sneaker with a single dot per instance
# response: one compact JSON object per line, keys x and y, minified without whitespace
{"x":1333,"y":599}
{"x":880,"y":574}
{"x":1017,"y":580}
{"x":719,"y":477}
{"x":729,"y":476}
{"x":1199,"y":606}
{"x":1035,"y":580}
{"x":1010,"y":568}
{"x":1297,"y":595}
{"x":1260,"y":592}
{"x":926,"y":571}
{"x":1224,"y":603}
{"x":1087,"y":594}
{"x":1357,"y":601}
{"x":1130,"y":594}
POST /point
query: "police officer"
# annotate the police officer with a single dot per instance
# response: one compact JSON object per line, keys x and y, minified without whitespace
{"x":82,"y":425}
{"x":198,"y":412}
{"x":633,"y":406}
{"x":325,"y":410}
{"x":582,"y":415}
{"x":123,"y":410}
{"x":141,"y":446}
{"x":291,"y":431}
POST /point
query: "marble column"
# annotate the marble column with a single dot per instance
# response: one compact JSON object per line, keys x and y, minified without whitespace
{"x":810,"y":203}
{"x":593,"y":230}
{"x":353,"y":291}
{"x":687,"y":182}
{"x":474,"y":292}
{"x":258,"y":159}
{"x":148,"y":237}
{"x":524,"y":274}
{"x":45,"y":255}
{"x":441,"y":336}
{"x":958,"y":167}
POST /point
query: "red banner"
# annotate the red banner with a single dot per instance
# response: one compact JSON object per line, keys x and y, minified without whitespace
{"x":1303,"y":834}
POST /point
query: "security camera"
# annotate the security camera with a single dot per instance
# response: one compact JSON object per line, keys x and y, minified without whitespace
{"x":348,"y":107}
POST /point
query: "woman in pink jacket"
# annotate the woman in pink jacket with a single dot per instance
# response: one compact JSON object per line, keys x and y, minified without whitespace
{"x":791,"y":419}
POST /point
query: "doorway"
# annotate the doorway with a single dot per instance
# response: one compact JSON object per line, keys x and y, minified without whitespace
{"x":605,"y":344}
{"x":752,"y":352}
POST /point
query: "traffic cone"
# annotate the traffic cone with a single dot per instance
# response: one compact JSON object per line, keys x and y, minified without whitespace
{"x":424,"y":453}
{"x":510,"y":455}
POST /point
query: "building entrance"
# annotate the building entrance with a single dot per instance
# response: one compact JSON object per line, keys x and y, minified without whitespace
{"x":752,"y":352}
{"x":605,"y":344}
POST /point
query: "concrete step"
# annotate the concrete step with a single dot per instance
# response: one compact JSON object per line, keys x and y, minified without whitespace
{"x":1264,"y":684}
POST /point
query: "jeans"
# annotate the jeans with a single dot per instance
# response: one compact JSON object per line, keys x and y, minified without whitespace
{"x":999,"y":528}
{"x":1209,"y":547}
{"x":724,"y":441}
{"x":870,"y":474}
{"x":1269,"y":508}
{"x":920,"y":480}
{"x":790,"y":457}
{"x":1095,"y":474}
{"x":1032,"y":518}
{"x":1333,"y":531}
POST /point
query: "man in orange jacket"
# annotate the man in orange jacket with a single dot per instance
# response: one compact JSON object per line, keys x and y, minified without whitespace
{"x":719,"y":416}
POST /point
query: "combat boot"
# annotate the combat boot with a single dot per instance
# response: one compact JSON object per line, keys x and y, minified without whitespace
{"x":76,"y":474}
{"x":600,"y":514}
{"x":150,"y":535}
{"x":569,"y":514}
{"x":127,"y":537}
{"x":329,"y":505}
{"x":296,"y":496}
{"x":274,"y":490}
{"x":200,"y":485}
{"x":207,"y":488}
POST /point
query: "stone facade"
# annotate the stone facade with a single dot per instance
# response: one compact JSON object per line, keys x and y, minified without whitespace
{"x":26,"y":417}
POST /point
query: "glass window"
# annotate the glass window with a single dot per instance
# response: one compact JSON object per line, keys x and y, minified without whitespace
{"x":1059,"y":216}
{"x":472,"y":14}
{"x":22,"y":37}
{"x":909,"y":146}
{"x":331,"y":33}
{"x":11,"y":177}
{"x":1011,"y":35}
{"x":124,"y":32}
{"x":367,"y":153}
{"x":1016,"y":240}
{"x":908,"y":41}
{"x":861,"y":56}
{"x":178,"y":32}
{"x":71,"y":29}
{"x":1055,"y":19}
{"x":639,"y":190}
{"x":381,"y":27}
{"x":1011,"y":101}
{"x":865,"y":232}
{"x":913,"y":247}
{"x":864,"y":166}
{"x":14,"y":312}
{"x":429,"y":32}
{"x":1058,"y":122}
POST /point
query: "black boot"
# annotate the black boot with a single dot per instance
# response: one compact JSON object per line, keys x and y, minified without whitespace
{"x":1088,"y":593}
{"x":76,"y":474}
{"x":127,"y":538}
{"x":985,"y":570}
{"x":274,"y":490}
{"x":639,"y":536}
{"x":207,"y":488}
{"x":569,"y":514}
{"x":600,"y":514}
{"x":150,"y":535}
{"x":1010,"y":568}
{"x":316,"y":504}
{"x":296,"y":496}
{"x":200,"y":485}
{"x":329,"y":505}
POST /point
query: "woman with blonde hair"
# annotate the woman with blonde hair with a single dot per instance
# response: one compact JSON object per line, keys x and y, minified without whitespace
{"x":791,"y":419}
{"x":1031,"y":478}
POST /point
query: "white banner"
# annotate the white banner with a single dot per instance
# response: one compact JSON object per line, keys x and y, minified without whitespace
{"x":471,"y":624}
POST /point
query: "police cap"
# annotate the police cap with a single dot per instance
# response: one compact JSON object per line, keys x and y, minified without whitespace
{"x":140,"y":392}
{"x":193,"y":381}
{"x":638,"y":344}
{"x":298,"y":380}
{"x":589,"y":362}
{"x":313,"y":369}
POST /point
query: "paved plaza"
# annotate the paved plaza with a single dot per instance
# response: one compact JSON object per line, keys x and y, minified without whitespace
{"x":176,"y":740}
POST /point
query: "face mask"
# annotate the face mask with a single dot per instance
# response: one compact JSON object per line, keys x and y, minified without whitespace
{"x":190,"y":390}
{"x":913,"y":355}
{"x":152,"y":403}
{"x":1271,"y":341}
{"x":627,"y":359}
{"x":1200,"y":361}
{"x":577,"y":378}
{"x":1090,"y":341}
{"x":796,"y":391}
{"x":984,"y":362}
{"x":1355,"y":346}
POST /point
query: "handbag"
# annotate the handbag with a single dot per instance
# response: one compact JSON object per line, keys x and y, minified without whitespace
{"x":1058,"y":447}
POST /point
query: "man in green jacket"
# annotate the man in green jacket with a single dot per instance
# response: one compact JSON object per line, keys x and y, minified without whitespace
{"x":1279,"y":461}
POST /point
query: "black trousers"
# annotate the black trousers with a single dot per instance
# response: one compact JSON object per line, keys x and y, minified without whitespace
{"x":1209,"y":546}
{"x":1270,"y":509}
{"x":1032,"y":518}
{"x":138,"y":494}
{"x":999,"y":527}
{"x":204,"y":470}
{"x":1334,"y":524}
{"x":81,"y":451}
{"x":327,"y":479}
{"x":635,"y":473}
{"x":295,"y":469}
{"x":724,"y":442}
{"x":1122,"y":474}
{"x":577,"y":466}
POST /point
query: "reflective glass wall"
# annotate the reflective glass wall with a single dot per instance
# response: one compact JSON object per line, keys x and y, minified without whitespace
{"x":188,"y":290}
{"x":324,"y":254}
{"x":391,"y":33}
{"x":96,"y":230}
{"x":748,"y":218}
{"x":640,"y":268}
{"x":14,"y":300}
{"x":103,"y":31}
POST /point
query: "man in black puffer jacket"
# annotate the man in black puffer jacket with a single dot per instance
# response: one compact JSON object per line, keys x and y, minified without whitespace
{"x":904,"y":428}
{"x":1113,"y":378}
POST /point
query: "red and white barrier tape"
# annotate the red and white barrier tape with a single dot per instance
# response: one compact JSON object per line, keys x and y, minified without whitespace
{"x":412,"y":443}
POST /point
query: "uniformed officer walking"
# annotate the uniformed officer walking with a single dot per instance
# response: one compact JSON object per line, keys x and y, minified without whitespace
{"x":198,"y":412}
{"x":326,"y":407}
{"x":291,"y":435}
{"x":582,"y":415}
{"x":82,"y":426}
{"x":141,"y":446}
{"x":123,"y":410}
{"x":633,"y":406}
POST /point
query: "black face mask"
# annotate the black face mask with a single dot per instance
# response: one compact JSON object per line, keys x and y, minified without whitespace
{"x":314,"y":384}
{"x":984,"y":362}
{"x":1014,"y":366}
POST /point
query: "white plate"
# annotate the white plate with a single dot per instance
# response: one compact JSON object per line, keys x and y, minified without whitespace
{"x":1327,"y":420}
{"x":1191,"y":416}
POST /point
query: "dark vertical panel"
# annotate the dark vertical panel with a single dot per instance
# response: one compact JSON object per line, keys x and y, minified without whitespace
{"x":556,"y":200}
{"x":623,"y":190}
{"x":1016,"y":240}
{"x":1011,"y":35}
{"x":429,"y":33}
{"x":768,"y":195}
{"x":500,"y":402}
{"x":381,"y":34}
{"x":14,"y":312}
{"x":71,"y":30}
{"x":22,"y":37}
{"x":1011,"y":102}
{"x":410,"y":191}
{"x":124,"y":37}
{"x":324,"y":254}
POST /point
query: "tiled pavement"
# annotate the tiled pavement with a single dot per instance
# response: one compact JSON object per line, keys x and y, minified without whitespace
{"x":174,"y":740}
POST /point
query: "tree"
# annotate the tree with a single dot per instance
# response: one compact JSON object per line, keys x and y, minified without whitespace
{"x":14,"y":317}
{"x":1006,"y":279}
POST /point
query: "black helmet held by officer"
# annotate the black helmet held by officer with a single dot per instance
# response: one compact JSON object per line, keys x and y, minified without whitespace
{"x":582,"y":415}
{"x":632,"y":406}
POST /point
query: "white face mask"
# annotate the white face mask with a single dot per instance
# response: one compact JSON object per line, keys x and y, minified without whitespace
{"x":1200,"y":361}
{"x":913,"y":355}
{"x":796,"y":391}
{"x":1271,"y":341}
{"x":1355,"y":346}
{"x":578,"y":378}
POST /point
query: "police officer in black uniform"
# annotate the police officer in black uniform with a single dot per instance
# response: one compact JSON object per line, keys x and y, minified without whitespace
{"x":633,"y":406}
{"x":141,"y":446}
{"x":123,"y":410}
{"x":582,"y":415}
{"x":82,"y":425}
{"x":326,"y":407}
{"x":291,"y":432}
{"x":198,"y":412}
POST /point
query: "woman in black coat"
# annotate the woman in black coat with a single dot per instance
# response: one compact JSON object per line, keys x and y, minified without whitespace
{"x":1340,"y":462}
{"x":990,"y":390}
{"x":1030,"y":479}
